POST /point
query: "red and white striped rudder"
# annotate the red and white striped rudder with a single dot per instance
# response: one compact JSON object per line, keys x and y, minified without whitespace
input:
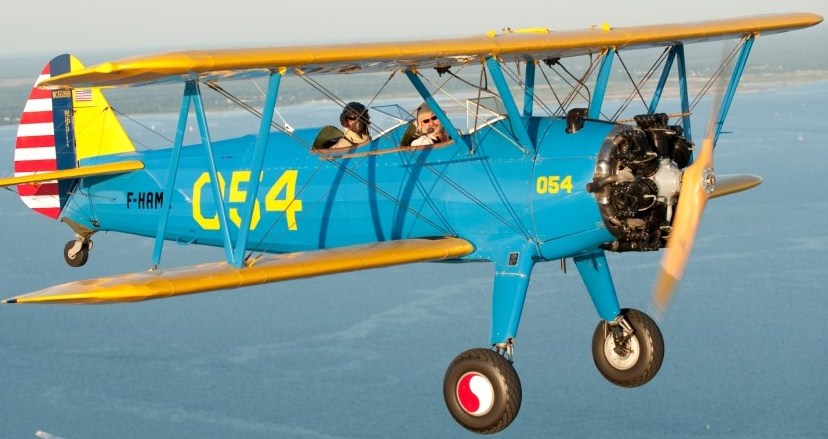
{"x":45,"y":142}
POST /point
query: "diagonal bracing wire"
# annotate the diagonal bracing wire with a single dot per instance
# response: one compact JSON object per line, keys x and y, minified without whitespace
{"x":647,"y":76}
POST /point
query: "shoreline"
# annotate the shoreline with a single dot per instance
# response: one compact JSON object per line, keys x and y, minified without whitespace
{"x":165,"y":99}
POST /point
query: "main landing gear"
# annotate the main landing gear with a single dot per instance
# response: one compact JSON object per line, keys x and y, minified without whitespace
{"x":482,"y":389}
{"x":629,"y":350}
{"x":76,"y":252}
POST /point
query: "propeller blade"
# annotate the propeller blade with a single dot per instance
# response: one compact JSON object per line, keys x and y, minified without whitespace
{"x":692,"y":201}
{"x":731,"y":184}
{"x":697,"y":184}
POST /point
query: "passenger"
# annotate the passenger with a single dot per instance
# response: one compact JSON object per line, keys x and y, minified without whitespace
{"x":429,"y":128}
{"x":355,"y":120}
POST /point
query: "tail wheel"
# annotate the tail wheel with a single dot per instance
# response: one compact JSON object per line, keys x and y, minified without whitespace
{"x":76,"y":259}
{"x":628,"y":352}
{"x":482,"y":391}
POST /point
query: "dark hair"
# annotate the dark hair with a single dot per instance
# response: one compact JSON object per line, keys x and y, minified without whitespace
{"x":353,"y":110}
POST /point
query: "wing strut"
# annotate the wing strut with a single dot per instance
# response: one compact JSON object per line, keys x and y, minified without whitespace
{"x":662,"y":81}
{"x":676,"y":52}
{"x":256,"y":166}
{"x":515,"y":121}
{"x":731,"y":87}
{"x":172,"y":172}
{"x":215,"y":184}
{"x":685,"y":99}
{"x":601,"y":84}
{"x":529,"y":89}
{"x":192,"y":95}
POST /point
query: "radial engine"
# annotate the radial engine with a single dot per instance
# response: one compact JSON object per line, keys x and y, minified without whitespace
{"x":637,"y":181}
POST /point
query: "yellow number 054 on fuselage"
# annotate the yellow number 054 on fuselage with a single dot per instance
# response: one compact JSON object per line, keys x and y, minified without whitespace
{"x":553,"y":184}
{"x":279,"y":198}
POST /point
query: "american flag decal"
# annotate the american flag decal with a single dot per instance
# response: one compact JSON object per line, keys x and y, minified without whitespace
{"x":83,"y":95}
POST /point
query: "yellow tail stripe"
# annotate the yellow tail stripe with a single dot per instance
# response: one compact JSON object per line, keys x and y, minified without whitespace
{"x":97,"y":129}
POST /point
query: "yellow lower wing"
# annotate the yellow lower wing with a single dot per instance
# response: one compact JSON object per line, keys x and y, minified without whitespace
{"x":271,"y":268}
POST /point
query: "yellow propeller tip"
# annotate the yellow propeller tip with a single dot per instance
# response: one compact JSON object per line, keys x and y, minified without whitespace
{"x":663,"y":290}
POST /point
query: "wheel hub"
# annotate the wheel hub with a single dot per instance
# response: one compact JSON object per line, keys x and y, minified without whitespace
{"x":475,"y":394}
{"x":708,"y":180}
{"x":621,"y":357}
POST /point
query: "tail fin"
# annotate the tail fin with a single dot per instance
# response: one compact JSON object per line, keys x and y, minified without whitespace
{"x":57,"y":129}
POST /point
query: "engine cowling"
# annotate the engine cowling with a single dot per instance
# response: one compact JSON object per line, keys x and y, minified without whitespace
{"x":637,"y":180}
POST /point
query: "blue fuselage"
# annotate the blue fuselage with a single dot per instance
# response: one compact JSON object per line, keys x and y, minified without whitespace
{"x":493,"y":194}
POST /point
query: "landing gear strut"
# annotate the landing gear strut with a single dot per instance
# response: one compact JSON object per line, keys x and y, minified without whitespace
{"x":482,"y":390}
{"x":76,"y":252}
{"x":629,"y":350}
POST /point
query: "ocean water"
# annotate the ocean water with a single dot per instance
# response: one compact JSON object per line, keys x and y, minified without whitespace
{"x":362,"y":355}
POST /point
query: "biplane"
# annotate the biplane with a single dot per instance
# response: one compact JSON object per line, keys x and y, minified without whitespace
{"x":525,"y":183}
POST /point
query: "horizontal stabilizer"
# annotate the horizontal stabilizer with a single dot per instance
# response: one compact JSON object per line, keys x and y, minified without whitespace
{"x":83,"y":171}
{"x":731,"y":184}
{"x":269,"y":268}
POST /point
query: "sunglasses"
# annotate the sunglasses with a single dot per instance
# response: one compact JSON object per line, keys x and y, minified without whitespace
{"x":429,"y":120}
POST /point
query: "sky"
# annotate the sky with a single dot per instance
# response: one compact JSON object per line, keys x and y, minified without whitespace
{"x":94,"y":26}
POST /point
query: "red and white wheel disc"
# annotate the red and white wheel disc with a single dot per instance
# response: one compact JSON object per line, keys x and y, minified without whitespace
{"x":475,"y":393}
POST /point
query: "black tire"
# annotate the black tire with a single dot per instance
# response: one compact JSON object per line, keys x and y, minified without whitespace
{"x":496,"y":401}
{"x":645,"y":352}
{"x":80,"y":258}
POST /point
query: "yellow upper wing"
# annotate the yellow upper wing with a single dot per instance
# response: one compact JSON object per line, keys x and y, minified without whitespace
{"x":347,"y":58}
{"x":270,"y":268}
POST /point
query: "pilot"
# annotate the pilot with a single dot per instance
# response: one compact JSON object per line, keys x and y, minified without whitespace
{"x":355,"y":120}
{"x":429,"y":128}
